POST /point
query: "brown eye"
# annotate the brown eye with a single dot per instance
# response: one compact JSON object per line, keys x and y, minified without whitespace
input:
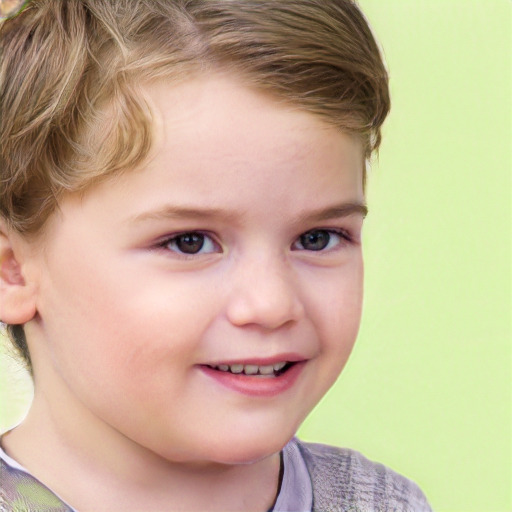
{"x":315,"y":240}
{"x":192,"y":242}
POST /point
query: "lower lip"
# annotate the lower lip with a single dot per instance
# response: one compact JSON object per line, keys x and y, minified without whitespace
{"x":256,"y":386}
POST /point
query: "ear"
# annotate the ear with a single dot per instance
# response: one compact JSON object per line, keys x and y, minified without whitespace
{"x":17,"y":297}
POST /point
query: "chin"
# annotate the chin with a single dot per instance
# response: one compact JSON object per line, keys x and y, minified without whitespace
{"x":250,"y":448}
{"x":229,"y":443}
{"x":231,"y":452}
{"x":246,"y":455}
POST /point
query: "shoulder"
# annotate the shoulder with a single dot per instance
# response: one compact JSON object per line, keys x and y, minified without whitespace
{"x":345,"y":479}
{"x":19,"y":491}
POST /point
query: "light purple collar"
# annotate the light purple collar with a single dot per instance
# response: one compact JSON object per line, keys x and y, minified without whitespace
{"x":296,"y":494}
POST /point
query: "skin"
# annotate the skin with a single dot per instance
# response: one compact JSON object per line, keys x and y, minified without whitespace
{"x":119,"y":321}
{"x":9,"y":7}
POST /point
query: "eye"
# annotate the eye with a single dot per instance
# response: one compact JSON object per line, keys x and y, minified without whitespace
{"x":320,"y":240}
{"x":192,"y":242}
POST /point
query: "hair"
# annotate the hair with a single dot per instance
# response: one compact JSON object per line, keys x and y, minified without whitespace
{"x":71,"y":71}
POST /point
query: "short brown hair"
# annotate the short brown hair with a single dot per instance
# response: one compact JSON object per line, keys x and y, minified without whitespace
{"x":62,"y":62}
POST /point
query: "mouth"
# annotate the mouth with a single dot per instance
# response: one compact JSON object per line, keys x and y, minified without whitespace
{"x":261,"y":378}
{"x":266,"y":371}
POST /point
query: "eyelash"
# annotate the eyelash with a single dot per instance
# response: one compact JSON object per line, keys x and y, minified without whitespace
{"x":345,"y":239}
{"x":164,"y":244}
{"x":344,"y":236}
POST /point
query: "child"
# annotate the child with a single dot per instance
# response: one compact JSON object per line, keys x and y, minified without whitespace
{"x":180,"y":241}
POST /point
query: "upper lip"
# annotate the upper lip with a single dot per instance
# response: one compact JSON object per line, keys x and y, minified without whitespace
{"x":261,"y":361}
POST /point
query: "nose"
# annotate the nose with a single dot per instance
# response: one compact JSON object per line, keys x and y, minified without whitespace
{"x":264,"y":293}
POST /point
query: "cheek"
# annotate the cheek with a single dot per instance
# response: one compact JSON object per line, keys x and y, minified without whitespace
{"x":334,"y":307}
{"x":152,"y":337}
{"x":337,"y":310}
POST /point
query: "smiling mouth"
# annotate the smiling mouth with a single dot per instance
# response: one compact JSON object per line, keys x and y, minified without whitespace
{"x":253,"y":370}
{"x":258,"y":379}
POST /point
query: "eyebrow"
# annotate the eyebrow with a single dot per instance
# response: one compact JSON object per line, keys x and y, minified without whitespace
{"x":183,"y":212}
{"x":338,"y":211}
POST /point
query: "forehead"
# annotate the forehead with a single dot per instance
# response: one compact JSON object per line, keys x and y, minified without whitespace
{"x":220,"y":118}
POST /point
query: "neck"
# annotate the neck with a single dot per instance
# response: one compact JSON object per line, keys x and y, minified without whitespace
{"x":93,"y":467}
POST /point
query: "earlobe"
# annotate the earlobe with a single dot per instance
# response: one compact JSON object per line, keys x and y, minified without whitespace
{"x":17,"y":297}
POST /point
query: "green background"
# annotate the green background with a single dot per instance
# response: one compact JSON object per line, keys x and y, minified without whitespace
{"x":428,"y":388}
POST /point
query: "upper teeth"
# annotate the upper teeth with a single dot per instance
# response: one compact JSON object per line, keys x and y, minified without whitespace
{"x":251,"y":369}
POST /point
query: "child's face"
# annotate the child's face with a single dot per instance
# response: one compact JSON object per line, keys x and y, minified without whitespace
{"x":133,"y":316}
